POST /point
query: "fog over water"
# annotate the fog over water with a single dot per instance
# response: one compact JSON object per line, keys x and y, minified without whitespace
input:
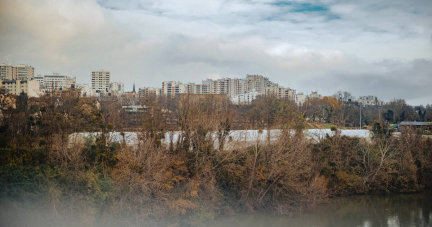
{"x":363,"y":211}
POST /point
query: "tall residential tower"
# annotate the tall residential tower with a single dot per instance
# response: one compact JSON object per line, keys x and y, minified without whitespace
{"x":100,"y":81}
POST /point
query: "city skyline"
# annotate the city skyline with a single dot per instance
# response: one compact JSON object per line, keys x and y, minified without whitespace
{"x":307,"y":45}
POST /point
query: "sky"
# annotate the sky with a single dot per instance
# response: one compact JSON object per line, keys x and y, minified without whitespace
{"x":368,"y":47}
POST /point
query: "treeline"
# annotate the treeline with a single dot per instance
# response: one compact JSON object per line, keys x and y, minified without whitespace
{"x":346,"y":113}
{"x":194,"y":178}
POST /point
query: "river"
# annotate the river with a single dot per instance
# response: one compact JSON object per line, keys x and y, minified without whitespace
{"x":403,"y":210}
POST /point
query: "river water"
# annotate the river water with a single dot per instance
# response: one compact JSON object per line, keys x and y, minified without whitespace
{"x":367,"y":211}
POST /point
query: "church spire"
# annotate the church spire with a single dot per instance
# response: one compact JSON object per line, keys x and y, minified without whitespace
{"x":133,"y":91}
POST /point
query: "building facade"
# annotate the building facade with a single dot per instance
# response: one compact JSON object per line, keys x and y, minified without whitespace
{"x":245,"y":98}
{"x":19,"y":72}
{"x":16,"y":87}
{"x":300,"y":99}
{"x":171,"y":88}
{"x":25,"y":72}
{"x":54,"y":82}
{"x":149,"y":91}
{"x":101,"y":81}
{"x":117,"y":88}
{"x":7,"y":72}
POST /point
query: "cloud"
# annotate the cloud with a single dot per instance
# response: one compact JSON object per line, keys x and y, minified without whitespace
{"x":305,"y":45}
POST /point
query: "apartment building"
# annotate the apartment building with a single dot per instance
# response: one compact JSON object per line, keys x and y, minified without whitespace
{"x":258,"y":83}
{"x":300,"y":99}
{"x":245,"y":98}
{"x":70,"y":82}
{"x":16,"y":87}
{"x":237,"y":87}
{"x":40,"y":79}
{"x":19,"y":72}
{"x":149,"y":91}
{"x":117,"y":88}
{"x":187,"y":88}
{"x":228,"y":86}
{"x":211,"y":85}
{"x":7,"y":72}
{"x":54,"y":82}
{"x":25,"y":72}
{"x":101,"y":81}
{"x":201,"y":89}
{"x":281,"y":92}
{"x":84,"y":89}
{"x":171,"y":88}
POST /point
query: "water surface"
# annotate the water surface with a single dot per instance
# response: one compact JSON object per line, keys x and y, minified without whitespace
{"x":369,"y":211}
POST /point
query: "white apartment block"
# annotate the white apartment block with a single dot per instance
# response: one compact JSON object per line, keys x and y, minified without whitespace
{"x":187,"y":88}
{"x":117,"y":88}
{"x":246,"y":98}
{"x":85,"y":90}
{"x":300,"y":99}
{"x":16,"y":87}
{"x":171,"y":88}
{"x":149,"y":91}
{"x":54,"y":82}
{"x":101,"y":81}
{"x":19,"y":72}
{"x":228,"y":86}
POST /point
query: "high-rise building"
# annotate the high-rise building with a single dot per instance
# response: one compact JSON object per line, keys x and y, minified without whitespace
{"x":100,"y":81}
{"x":257,"y":83}
{"x":54,"y":82}
{"x":228,"y":86}
{"x":149,"y":91}
{"x":171,"y":88}
{"x":20,"y":72}
{"x":25,"y":72}
{"x":201,"y":89}
{"x":237,"y":87}
{"x":7,"y":72}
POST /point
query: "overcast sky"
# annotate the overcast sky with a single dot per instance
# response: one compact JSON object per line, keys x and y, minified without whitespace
{"x":367,"y":47}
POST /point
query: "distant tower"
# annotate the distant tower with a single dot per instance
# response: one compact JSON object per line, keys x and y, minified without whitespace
{"x":133,"y":91}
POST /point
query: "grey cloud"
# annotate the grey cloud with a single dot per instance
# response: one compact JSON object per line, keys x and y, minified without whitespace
{"x":151,"y":41}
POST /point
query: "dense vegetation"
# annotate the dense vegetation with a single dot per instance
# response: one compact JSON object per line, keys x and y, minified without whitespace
{"x":196,"y":177}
